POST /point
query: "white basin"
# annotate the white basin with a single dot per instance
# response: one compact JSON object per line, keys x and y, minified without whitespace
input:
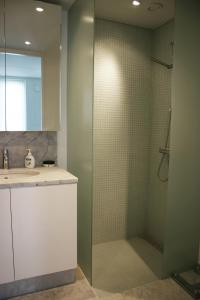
{"x":16,"y":174}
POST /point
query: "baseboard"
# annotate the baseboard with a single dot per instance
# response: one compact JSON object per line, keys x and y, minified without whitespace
{"x":32,"y":285}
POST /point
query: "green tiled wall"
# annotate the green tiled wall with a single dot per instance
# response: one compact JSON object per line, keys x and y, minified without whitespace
{"x":122,"y":97}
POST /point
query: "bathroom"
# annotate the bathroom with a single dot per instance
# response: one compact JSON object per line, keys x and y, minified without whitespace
{"x":106,"y":99}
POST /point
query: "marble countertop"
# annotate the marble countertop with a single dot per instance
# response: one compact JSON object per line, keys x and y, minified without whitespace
{"x":44,"y":176}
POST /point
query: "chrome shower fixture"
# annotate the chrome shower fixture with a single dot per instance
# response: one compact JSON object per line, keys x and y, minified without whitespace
{"x":160,"y":62}
{"x":165,"y":151}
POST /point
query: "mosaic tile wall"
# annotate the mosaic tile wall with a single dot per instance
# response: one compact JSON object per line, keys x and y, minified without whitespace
{"x":42,"y":144}
{"x":161,"y":102}
{"x":121,"y":130}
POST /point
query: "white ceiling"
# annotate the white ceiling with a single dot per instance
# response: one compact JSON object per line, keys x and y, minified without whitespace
{"x":123,"y":11}
{"x":42,"y":29}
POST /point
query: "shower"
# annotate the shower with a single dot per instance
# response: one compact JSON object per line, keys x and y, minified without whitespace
{"x":129,"y":221}
{"x":165,"y":151}
{"x":160,"y":62}
{"x":127,"y":229}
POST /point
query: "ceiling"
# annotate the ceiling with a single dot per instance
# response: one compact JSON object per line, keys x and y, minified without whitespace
{"x":123,"y":11}
{"x":23,"y":23}
{"x":65,"y":3}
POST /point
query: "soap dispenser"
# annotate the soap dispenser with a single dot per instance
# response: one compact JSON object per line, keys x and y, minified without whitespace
{"x":29,"y":160}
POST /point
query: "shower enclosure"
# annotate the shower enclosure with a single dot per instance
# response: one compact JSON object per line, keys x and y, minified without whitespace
{"x":132,"y":97}
{"x":124,"y":121}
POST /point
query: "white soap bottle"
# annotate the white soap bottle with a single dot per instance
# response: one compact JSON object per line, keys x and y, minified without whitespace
{"x":29,"y":160}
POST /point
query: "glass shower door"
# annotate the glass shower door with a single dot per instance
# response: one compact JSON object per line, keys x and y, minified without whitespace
{"x":80,"y":121}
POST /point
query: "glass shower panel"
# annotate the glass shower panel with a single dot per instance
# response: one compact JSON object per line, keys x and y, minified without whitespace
{"x":80,"y":121}
{"x":181,"y":244}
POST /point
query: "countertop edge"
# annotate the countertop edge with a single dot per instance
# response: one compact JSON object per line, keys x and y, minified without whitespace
{"x":49,"y":181}
{"x":37,"y":184}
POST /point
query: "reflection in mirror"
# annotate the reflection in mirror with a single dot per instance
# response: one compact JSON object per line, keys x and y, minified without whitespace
{"x":23,"y":86}
{"x":32,"y":65}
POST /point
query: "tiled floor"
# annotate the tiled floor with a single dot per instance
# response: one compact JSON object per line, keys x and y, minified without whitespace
{"x":125,"y":264}
{"x":81,"y":290}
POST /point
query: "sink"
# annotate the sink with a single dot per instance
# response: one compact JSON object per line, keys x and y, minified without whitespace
{"x":17,"y":174}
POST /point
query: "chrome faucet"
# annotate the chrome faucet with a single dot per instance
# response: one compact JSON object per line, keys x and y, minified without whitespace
{"x":5,"y":159}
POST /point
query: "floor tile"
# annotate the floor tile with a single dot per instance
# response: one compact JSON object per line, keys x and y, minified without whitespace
{"x":124,"y":264}
{"x":158,"y":290}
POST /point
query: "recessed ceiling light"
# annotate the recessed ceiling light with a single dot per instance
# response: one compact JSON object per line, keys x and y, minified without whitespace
{"x":39,"y":9}
{"x":27,"y":43}
{"x":136,"y":2}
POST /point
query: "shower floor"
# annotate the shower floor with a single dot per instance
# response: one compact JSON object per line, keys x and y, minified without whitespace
{"x":124,"y":264}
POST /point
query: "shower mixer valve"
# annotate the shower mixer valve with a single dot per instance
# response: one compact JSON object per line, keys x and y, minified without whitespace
{"x":164,"y":150}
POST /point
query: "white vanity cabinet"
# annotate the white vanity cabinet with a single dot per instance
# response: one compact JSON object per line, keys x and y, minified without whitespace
{"x":44,"y":225}
{"x":6,"y":251}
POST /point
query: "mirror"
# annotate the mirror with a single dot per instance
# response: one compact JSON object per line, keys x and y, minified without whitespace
{"x":32,"y":32}
{"x":24,"y":85}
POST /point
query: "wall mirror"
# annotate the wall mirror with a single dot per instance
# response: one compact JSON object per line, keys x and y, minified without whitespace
{"x":29,"y":65}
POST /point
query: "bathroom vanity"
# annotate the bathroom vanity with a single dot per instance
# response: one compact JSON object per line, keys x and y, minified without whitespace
{"x":38,"y":229}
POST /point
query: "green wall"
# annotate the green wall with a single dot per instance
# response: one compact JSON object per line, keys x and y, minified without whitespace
{"x":121,"y":130}
{"x":160,"y":103}
{"x":80,"y":120}
{"x":183,"y":205}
